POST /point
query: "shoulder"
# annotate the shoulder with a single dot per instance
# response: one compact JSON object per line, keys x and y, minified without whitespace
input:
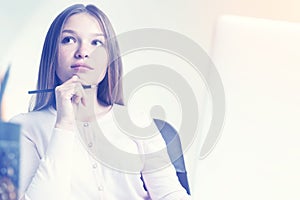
{"x":33,"y":117}
{"x":35,"y":121}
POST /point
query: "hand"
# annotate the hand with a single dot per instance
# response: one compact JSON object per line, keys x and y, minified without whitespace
{"x":68,"y":96}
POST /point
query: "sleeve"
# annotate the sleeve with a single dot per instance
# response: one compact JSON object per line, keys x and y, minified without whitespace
{"x":158,"y":172}
{"x":47,"y":177}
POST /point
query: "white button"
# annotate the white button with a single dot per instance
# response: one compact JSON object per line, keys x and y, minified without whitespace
{"x":86,"y":124}
{"x":95,"y":165}
{"x":100,"y":188}
{"x":90,"y":144}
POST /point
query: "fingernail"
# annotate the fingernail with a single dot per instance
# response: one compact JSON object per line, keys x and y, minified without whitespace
{"x":76,"y":76}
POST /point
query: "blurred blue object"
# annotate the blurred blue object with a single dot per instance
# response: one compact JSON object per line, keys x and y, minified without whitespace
{"x":9,"y":152}
{"x":3,"y":83}
{"x":3,"y":86}
{"x":9,"y":160}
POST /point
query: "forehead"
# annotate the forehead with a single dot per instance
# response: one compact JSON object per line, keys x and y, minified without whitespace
{"x":83,"y":22}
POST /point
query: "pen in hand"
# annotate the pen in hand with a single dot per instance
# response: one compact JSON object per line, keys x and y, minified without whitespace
{"x":52,"y":89}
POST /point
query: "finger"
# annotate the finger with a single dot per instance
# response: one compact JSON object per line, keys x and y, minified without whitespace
{"x":79,"y":87}
{"x":83,"y":101}
{"x":76,"y":78}
{"x":76,"y":99}
{"x":78,"y":94}
{"x":73,"y":79}
{"x":69,"y":91}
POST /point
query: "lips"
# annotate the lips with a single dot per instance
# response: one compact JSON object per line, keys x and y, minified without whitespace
{"x":81,"y":66}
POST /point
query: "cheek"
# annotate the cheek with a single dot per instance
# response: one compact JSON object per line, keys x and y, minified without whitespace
{"x":100,"y":61}
{"x":102,"y":75}
{"x":99,"y":57}
{"x":62,"y":62}
{"x":63,"y":55}
{"x":101,"y":71}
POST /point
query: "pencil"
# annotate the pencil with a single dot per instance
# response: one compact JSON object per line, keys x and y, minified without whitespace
{"x":52,"y":89}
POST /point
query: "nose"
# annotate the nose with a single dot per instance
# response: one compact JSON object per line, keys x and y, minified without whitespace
{"x":81,"y":52}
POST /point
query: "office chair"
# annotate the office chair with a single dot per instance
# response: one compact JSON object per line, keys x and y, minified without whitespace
{"x":174,"y":149}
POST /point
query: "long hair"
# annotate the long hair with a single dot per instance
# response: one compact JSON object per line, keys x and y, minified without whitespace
{"x":109,"y":89}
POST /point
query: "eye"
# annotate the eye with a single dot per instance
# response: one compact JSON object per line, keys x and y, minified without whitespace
{"x":68,"y":39}
{"x":97,"y":43}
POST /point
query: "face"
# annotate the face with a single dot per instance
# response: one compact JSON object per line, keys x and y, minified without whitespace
{"x":81,"y":50}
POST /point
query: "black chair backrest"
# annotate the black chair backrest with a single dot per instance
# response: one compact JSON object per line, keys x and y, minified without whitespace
{"x":174,"y":149}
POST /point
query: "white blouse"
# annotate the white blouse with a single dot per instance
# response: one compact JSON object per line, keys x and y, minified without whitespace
{"x":62,"y":165}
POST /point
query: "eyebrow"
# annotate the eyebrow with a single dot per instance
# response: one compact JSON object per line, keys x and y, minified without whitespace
{"x":73,"y":32}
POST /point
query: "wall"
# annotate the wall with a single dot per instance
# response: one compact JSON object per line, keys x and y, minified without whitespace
{"x":192,"y":18}
{"x":25,"y":28}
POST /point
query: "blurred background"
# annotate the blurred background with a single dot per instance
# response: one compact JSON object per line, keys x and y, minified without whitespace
{"x":254,"y":45}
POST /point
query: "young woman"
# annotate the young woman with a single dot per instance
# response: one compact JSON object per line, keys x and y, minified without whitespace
{"x":60,"y":134}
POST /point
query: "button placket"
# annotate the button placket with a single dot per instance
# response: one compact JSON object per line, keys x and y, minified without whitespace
{"x":94,"y":165}
{"x":85,"y":126}
{"x":97,"y":176}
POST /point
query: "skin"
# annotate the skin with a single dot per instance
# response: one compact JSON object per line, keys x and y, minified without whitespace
{"x":82,"y":60}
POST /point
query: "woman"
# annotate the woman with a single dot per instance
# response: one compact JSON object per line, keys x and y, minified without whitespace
{"x":59,"y":147}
